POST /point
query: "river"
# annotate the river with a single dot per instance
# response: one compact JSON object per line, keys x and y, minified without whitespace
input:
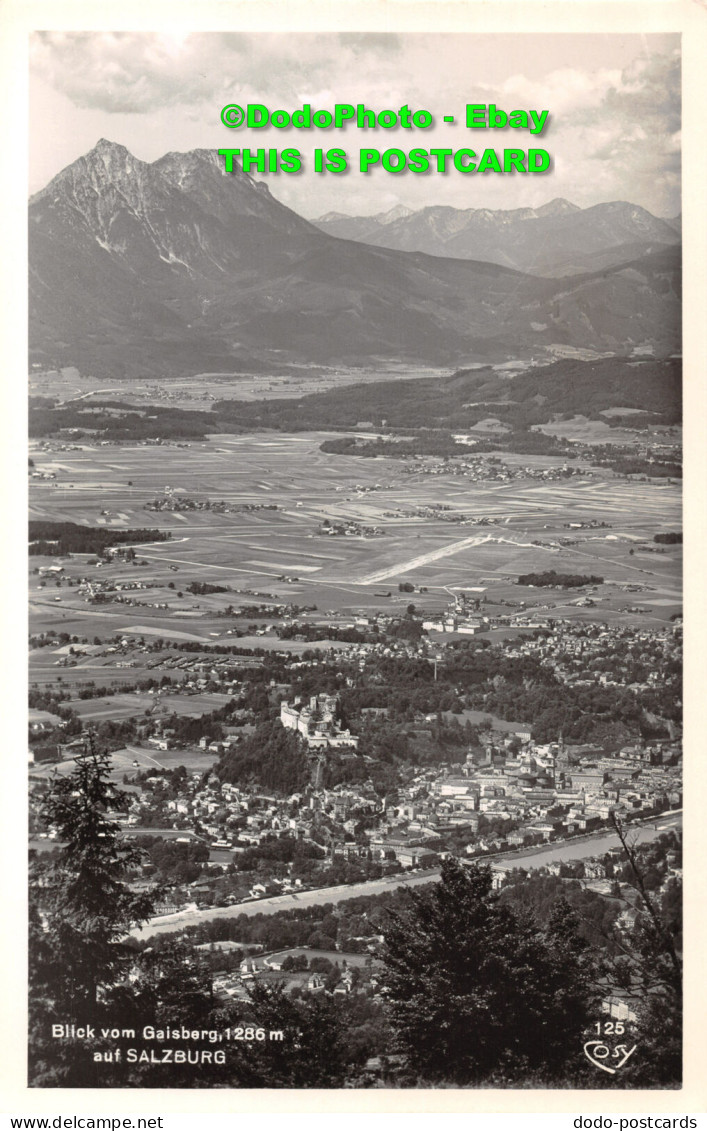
{"x":594,"y":844}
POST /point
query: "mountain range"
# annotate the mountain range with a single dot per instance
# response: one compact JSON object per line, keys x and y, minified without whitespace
{"x":555,"y":240}
{"x":176,"y":266}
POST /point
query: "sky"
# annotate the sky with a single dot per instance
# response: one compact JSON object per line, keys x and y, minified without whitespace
{"x":613,"y":130}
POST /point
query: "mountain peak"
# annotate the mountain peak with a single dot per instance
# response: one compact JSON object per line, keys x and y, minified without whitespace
{"x":104,"y":145}
{"x":399,"y":212}
{"x":111,"y":154}
{"x":557,"y":207}
{"x":107,"y":162}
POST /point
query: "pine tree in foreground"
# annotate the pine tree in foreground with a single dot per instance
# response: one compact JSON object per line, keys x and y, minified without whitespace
{"x":479,"y":995}
{"x":81,"y":909}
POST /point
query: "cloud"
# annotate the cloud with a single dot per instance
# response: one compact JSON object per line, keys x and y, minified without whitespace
{"x":366,"y":42}
{"x":649,"y":90}
{"x":636,"y":129}
{"x":614,"y":103}
{"x":123,"y":72}
{"x":613,"y":131}
{"x":135,"y":73}
{"x":562,"y":91}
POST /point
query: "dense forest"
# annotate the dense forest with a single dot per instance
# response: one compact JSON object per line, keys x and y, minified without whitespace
{"x":72,"y":538}
{"x":630,"y":464}
{"x":116,"y":421}
{"x":436,"y":442}
{"x":272,"y":756}
{"x":551,"y":578}
{"x":202,"y":588}
{"x":672,"y":538}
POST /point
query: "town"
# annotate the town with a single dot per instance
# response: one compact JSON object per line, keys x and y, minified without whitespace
{"x":316,"y":692}
{"x":366,"y":804}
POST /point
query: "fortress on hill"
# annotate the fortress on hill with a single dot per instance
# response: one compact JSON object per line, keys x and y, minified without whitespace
{"x":317,"y":722}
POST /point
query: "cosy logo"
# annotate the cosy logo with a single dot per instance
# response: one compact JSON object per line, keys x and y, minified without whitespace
{"x":599,"y":1054}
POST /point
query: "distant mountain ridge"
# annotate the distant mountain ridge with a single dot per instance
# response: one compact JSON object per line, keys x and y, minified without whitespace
{"x":556,"y":239}
{"x":176,"y":266}
{"x":399,"y":212}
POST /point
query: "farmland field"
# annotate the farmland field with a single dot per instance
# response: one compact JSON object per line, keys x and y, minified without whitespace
{"x":268,"y":556}
{"x":271,"y":556}
{"x":198,"y":391}
{"x":147,"y":759}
